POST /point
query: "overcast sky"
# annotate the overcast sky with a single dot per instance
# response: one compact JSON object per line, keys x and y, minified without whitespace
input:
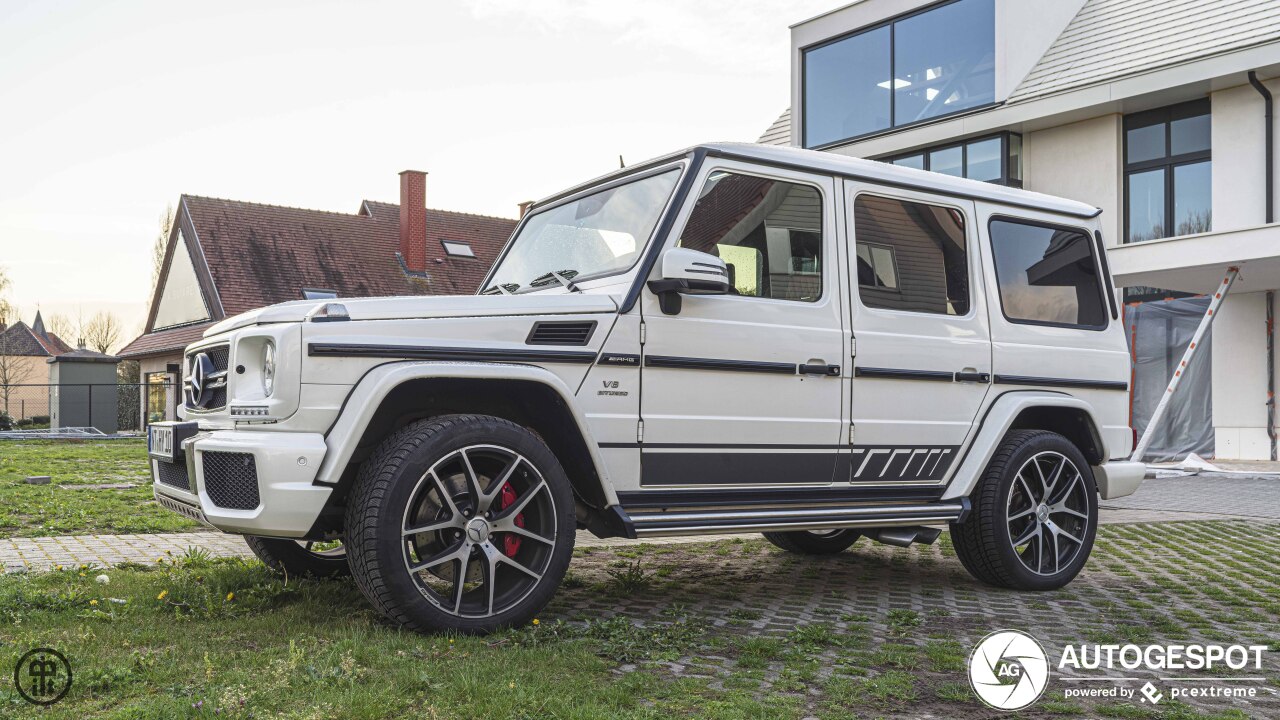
{"x":109,"y":111}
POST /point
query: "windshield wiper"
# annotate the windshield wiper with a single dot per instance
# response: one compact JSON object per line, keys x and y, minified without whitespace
{"x":503,"y":289}
{"x":564,"y":277}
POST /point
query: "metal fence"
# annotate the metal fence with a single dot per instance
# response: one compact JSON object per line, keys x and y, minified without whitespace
{"x":130,"y":405}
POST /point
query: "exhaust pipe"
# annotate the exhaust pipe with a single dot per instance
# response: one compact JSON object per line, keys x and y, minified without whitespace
{"x":903,"y":536}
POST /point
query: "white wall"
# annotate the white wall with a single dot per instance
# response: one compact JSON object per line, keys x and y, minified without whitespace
{"x":1239,"y":189}
{"x":1240,"y":379}
{"x":1080,"y":161}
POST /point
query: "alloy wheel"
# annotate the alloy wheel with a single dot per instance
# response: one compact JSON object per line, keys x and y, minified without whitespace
{"x":1048,"y":513}
{"x":478,"y":531}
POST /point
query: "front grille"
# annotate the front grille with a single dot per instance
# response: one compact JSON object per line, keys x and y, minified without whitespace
{"x":173,"y":475}
{"x":220,"y":355}
{"x":561,"y":333}
{"x":231,"y":479}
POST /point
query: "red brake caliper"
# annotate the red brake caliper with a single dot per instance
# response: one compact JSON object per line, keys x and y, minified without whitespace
{"x":510,"y":541}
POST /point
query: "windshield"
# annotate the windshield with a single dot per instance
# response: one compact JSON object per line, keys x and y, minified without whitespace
{"x":599,"y":234}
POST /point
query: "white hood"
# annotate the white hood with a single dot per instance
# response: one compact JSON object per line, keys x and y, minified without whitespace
{"x":430,"y":306}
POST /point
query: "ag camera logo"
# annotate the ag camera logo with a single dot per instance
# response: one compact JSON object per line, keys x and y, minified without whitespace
{"x":1008,"y":670}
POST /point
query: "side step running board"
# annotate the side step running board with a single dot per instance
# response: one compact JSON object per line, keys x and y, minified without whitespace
{"x":658,"y":524}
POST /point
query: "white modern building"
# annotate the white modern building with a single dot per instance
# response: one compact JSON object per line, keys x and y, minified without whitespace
{"x":1143,"y":108}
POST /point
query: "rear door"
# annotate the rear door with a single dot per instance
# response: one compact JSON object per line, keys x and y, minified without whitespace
{"x":922,"y":339}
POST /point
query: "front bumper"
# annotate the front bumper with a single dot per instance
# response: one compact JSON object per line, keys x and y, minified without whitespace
{"x":1118,"y":478}
{"x":253,"y":483}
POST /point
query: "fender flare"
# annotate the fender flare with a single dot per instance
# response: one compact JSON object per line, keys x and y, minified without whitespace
{"x":999,"y":416}
{"x":368,"y":394}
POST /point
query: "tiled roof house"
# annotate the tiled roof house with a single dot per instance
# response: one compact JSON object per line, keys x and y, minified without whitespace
{"x":226,"y":257}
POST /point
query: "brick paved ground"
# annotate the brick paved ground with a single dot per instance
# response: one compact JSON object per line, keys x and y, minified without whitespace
{"x":914,"y":614}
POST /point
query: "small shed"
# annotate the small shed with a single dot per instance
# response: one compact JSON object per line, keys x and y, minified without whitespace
{"x":83,"y":391}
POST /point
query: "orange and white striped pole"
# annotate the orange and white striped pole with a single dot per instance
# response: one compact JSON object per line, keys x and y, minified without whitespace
{"x":1205,"y":322}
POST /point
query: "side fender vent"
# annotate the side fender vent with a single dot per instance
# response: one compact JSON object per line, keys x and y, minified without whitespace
{"x":561,"y":333}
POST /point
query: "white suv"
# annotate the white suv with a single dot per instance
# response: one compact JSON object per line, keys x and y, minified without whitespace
{"x":732,"y":338}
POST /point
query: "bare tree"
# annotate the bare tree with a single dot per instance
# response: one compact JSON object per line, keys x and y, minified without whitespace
{"x":102,"y":332}
{"x":64,"y":327}
{"x":161,"y":244}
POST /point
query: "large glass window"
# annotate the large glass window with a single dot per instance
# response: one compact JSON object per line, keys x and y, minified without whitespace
{"x":768,"y":232}
{"x":1047,"y":275}
{"x":911,"y":69}
{"x":600,"y":234}
{"x":996,"y":159}
{"x":1167,"y":166}
{"x":911,"y":256}
{"x":181,"y":301}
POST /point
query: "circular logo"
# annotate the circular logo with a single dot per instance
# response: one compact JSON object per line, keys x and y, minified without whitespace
{"x":198,"y":374}
{"x":478,"y":530}
{"x":43,"y":676}
{"x":1008,"y":670}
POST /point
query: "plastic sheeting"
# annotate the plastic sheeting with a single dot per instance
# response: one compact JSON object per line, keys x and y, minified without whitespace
{"x":1158,"y":336}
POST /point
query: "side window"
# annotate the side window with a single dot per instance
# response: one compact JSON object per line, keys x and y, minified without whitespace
{"x":911,"y":256}
{"x":768,"y":232}
{"x":1047,"y":275}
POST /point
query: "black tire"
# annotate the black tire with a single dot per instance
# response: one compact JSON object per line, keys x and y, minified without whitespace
{"x":293,"y":558}
{"x":986,"y":542}
{"x":403,"y":515}
{"x":806,"y":542}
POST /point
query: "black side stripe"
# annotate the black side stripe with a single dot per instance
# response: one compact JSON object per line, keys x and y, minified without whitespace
{"x":1062,"y":382}
{"x":897,"y":374}
{"x":686,"y":363}
{"x":418,"y":352}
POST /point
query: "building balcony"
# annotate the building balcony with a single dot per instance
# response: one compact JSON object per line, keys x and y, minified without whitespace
{"x":1197,"y":263}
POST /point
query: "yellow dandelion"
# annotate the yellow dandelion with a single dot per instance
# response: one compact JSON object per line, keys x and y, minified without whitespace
{"x":163,"y":594}
{"x":83,"y":575}
{"x":450,"y":641}
{"x":160,"y":560}
{"x":511,"y":685}
{"x":231,"y":596}
{"x":93,"y":602}
{"x":535,"y":621}
{"x":59,"y":567}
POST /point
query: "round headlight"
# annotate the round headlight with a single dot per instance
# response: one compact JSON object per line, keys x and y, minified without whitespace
{"x":268,"y":368}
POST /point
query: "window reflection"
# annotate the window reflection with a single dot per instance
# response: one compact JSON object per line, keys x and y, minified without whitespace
{"x":1168,"y":188}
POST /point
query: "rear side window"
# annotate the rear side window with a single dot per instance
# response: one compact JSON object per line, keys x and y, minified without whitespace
{"x":1047,"y":275}
{"x":911,"y":256}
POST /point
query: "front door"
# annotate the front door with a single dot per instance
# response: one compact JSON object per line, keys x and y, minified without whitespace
{"x":745,"y":389}
{"x":922,"y":341}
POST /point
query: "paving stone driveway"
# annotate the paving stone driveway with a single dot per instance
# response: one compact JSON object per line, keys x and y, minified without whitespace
{"x":912,"y":615}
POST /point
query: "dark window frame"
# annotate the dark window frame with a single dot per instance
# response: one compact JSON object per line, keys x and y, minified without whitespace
{"x":1107,"y":316}
{"x":893,"y":127}
{"x":970,"y":261}
{"x":1163,"y":116}
{"x":444,"y":244}
{"x":1006,"y":175}
{"x":893,"y":252}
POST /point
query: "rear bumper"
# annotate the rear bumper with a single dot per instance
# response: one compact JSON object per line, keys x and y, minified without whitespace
{"x":253,"y":483}
{"x":1118,"y":478}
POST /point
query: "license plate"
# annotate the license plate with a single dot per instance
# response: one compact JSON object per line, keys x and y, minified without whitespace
{"x":164,"y":440}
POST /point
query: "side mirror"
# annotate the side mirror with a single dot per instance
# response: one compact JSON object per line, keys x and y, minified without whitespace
{"x":688,"y":272}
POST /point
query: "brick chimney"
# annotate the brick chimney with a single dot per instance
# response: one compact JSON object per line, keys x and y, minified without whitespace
{"x":413,"y":219}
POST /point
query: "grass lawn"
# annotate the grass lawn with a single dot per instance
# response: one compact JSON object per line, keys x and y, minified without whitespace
{"x":730,"y":629}
{"x":38,"y":510}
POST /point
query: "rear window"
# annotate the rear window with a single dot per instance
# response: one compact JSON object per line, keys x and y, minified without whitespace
{"x":1047,"y":275}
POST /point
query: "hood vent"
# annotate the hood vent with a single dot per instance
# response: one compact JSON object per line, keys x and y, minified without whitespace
{"x":561,"y":333}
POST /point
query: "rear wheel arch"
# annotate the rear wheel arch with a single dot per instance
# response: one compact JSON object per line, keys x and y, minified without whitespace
{"x":1074,"y":423}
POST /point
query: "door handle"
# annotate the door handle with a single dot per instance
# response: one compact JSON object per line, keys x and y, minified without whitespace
{"x":827,"y":370}
{"x":978,"y":377}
